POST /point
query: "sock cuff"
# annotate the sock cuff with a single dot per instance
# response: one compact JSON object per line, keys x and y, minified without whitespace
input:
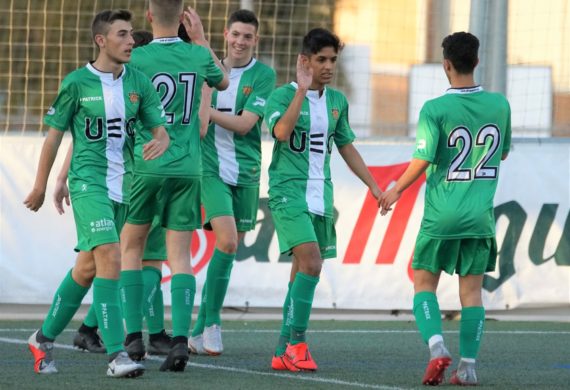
{"x":473,"y":313}
{"x":75,"y":285}
{"x":307,"y":278}
{"x":179,"y":281}
{"x":106,"y":283}
{"x":223,"y":256}
{"x":424,"y":296}
{"x":131,"y":278}
{"x":149,"y":269}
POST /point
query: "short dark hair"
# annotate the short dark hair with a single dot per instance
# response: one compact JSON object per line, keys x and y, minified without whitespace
{"x":317,"y":39}
{"x":461,"y":49}
{"x":244,"y":16}
{"x":166,"y":12}
{"x":104,"y":19}
{"x":142,"y":37}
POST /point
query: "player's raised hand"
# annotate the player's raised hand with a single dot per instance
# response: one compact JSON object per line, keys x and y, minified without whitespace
{"x":60,"y":193}
{"x":35,"y":199}
{"x":387,"y":199}
{"x":304,"y":72}
{"x":193,"y":25}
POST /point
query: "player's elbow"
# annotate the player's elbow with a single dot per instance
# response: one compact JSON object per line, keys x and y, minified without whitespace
{"x":224,"y":84}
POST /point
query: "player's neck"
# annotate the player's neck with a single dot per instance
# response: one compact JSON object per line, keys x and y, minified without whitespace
{"x":106,"y":65}
{"x":230,"y":62}
{"x":159,"y":31}
{"x":462,"y":81}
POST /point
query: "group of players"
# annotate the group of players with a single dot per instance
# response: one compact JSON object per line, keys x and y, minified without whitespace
{"x":152,"y":143}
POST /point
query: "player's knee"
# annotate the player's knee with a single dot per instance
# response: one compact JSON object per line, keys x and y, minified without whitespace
{"x":227,"y":245}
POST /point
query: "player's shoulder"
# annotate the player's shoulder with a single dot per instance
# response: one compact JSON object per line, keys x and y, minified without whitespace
{"x":495,"y":98}
{"x":260,"y":67}
{"x":284,"y":90}
{"x":76,"y":78}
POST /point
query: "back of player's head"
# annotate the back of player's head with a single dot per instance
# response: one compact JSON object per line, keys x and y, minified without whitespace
{"x":461,"y":49}
{"x":142,"y":37}
{"x":103,"y":20}
{"x":244,"y":16}
{"x":317,"y":39}
{"x":166,"y":12}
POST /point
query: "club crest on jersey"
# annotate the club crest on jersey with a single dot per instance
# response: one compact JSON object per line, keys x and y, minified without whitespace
{"x":334,"y":112}
{"x":133,"y":97}
{"x":246,"y":90}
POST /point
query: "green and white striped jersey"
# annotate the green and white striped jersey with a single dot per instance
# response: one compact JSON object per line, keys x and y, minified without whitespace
{"x":100,"y":112}
{"x":299,"y":174}
{"x":463,"y":134}
{"x":236,"y":159}
{"x":177,"y":70}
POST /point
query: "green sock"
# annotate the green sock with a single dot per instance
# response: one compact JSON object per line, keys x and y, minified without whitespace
{"x":302,"y":293}
{"x":183,"y":289}
{"x":201,"y":320}
{"x":131,"y":284}
{"x":285,"y":333}
{"x":66,"y":301}
{"x":106,"y":304}
{"x":217,"y":281}
{"x":91,"y":318}
{"x":471,"y":331}
{"x":428,"y":316}
{"x":153,"y":303}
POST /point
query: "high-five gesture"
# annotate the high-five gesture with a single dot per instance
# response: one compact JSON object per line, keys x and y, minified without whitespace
{"x":304,"y":72}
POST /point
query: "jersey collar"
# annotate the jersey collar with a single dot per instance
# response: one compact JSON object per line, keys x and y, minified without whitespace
{"x":311,"y":93}
{"x":461,"y":91}
{"x":167,"y":40}
{"x":241,"y":69}
{"x":106,"y":76}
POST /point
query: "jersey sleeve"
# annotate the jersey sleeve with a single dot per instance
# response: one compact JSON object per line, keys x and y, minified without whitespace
{"x":427,"y":137}
{"x":507,"y":137}
{"x":257,"y":100}
{"x":151,"y":111}
{"x":343,"y":134}
{"x":214,"y":74}
{"x":276,"y":106}
{"x":60,"y":115}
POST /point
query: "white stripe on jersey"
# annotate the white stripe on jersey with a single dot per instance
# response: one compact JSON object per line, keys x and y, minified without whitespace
{"x":115,"y":123}
{"x":224,"y":139}
{"x":315,"y":195}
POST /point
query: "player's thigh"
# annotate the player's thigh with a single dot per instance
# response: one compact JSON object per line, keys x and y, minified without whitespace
{"x":216,"y":197}
{"x":477,"y":256}
{"x":144,"y":196}
{"x":155,"y":248}
{"x":179,"y":204}
{"x":95,"y":221}
{"x":435,"y":255}
{"x":245,"y":205}
{"x":326,"y":235}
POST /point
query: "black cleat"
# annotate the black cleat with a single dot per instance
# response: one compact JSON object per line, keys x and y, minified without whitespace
{"x":89,"y":341}
{"x":136,"y":349}
{"x":159,"y":343}
{"x":176,"y":359}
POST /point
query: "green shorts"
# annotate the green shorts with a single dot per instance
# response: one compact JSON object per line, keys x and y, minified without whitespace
{"x":295,"y":227}
{"x":465,"y":256}
{"x":98,"y":221}
{"x":176,"y":200}
{"x":221,"y":199}
{"x":155,"y":248}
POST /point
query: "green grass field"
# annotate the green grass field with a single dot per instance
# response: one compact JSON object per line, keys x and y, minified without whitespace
{"x":350,"y":354}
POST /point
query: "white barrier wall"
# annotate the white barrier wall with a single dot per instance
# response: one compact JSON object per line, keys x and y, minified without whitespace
{"x":372,"y":268}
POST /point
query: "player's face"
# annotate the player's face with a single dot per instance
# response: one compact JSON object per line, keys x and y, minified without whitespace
{"x":324,"y":65}
{"x":241,"y":38}
{"x":118,"y":43}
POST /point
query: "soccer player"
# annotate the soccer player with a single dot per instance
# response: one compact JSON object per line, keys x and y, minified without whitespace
{"x":99,"y":103}
{"x":461,"y":139}
{"x":306,"y":119}
{"x":170,"y":186}
{"x":231,"y":158}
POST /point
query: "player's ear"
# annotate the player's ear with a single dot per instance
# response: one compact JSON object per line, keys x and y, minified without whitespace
{"x":99,"y":40}
{"x":148,"y":16}
{"x":226,"y":32}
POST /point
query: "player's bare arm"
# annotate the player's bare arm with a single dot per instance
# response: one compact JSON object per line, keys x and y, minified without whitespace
{"x":355,"y":162}
{"x":36,"y":197}
{"x":204,"y":111}
{"x":61,"y":190}
{"x":195,"y":31}
{"x":285,"y":125}
{"x":239,"y":124}
{"x":158,"y":145}
{"x":412,"y":173}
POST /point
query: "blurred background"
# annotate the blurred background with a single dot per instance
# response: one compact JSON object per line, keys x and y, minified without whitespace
{"x":389,"y":67}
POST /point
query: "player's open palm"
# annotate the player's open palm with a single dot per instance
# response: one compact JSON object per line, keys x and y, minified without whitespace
{"x":60,"y":193}
{"x":193,"y":25}
{"x":35,"y":199}
{"x":304,"y":72}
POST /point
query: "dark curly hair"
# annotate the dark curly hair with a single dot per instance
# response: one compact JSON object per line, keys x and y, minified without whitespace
{"x":461,"y":49}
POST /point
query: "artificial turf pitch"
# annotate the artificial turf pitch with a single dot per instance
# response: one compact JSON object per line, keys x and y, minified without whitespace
{"x":350,"y":354}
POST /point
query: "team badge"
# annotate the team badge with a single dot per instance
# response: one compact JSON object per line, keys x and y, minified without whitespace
{"x":334,"y":112}
{"x":246,"y":90}
{"x":133,"y":97}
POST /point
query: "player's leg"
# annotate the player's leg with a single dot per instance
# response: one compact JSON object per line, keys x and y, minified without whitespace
{"x":427,"y":270}
{"x":196,"y":341}
{"x":477,"y":257}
